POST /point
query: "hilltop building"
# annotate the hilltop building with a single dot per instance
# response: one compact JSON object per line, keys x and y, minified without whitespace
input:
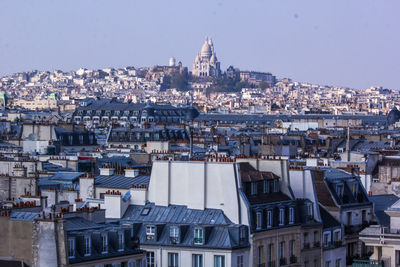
{"x":206,"y":63}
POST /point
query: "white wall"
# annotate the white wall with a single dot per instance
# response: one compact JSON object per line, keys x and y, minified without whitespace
{"x":185,"y":256}
{"x":197,"y":185}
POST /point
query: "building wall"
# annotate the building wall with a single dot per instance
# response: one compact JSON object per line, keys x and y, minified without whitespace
{"x":185,"y":255}
{"x":16,"y":239}
{"x":332,"y":255}
{"x":198,"y":185}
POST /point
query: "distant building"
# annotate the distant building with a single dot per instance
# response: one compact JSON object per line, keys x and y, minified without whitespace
{"x":206,"y":63}
{"x":255,"y":78}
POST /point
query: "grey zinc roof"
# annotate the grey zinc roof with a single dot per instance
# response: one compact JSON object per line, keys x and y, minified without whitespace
{"x":120,"y":181}
{"x":78,"y":224}
{"x":220,"y":232}
{"x":175,"y":214}
{"x":381,"y":203}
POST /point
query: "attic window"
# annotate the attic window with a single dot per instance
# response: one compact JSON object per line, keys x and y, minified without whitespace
{"x":71,"y":247}
{"x":339,"y":190}
{"x":150,"y":232}
{"x":354,"y":188}
{"x":198,"y":236}
{"x":145,"y":211}
{"x":174,"y":234}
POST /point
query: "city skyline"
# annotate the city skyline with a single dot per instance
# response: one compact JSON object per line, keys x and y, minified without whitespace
{"x":330,"y":44}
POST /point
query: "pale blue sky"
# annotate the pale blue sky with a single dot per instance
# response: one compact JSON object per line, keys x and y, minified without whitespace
{"x":351,"y":43}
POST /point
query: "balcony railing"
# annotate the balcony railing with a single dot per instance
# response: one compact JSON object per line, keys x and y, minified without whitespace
{"x":173,"y":240}
{"x":271,"y":264}
{"x":316,"y":244}
{"x":293,"y":259}
{"x":306,"y":245}
{"x":261,"y":265}
{"x":198,"y":241}
{"x":282,"y":261}
{"x":367,"y":263}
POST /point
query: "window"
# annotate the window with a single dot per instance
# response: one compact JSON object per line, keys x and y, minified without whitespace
{"x":315,"y":263}
{"x":270,"y":250}
{"x":291,"y":215}
{"x":265,"y":187}
{"x":253,"y":188}
{"x":291,"y":248}
{"x":243,"y":235}
{"x":354,"y":189}
{"x":326,"y":239}
{"x":259,"y":220}
{"x":197,"y":260}
{"x":336,"y":236}
{"x":327,"y":263}
{"x":276,"y":185}
{"x":239,"y":261}
{"x":219,"y":261}
{"x":150,"y":232}
{"x":339,"y":190}
{"x":260,"y":255}
{"x":349,"y":219}
{"x":173,"y":260}
{"x":198,"y":236}
{"x":269,"y":219}
{"x":310,"y":209}
{"x":104,"y":243}
{"x":281,"y":216}
{"x":87,"y":243}
{"x":316,"y":238}
{"x":174,"y":234}
{"x":121,"y":241}
{"x":150,"y":259}
{"x":305,"y":240}
{"x":71,"y":247}
{"x":337,"y":263}
{"x":282,"y":250}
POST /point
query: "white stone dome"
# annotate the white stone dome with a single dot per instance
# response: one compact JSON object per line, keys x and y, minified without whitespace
{"x":206,"y":50}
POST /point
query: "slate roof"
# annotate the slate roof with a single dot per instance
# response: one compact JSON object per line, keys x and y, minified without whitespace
{"x":249,"y":174}
{"x":381,"y":203}
{"x":220,"y":232}
{"x":120,"y":181}
{"x":175,"y":214}
{"x":80,"y":224}
{"x":328,"y":221}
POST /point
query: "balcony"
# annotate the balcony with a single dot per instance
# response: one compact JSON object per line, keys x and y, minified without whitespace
{"x":282,"y":261}
{"x":306,"y":245}
{"x":316,"y":244}
{"x":293,"y":259}
{"x":367,"y":263}
{"x":271,"y":264}
{"x":261,"y":265}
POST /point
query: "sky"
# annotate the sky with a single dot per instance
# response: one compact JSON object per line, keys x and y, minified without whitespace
{"x":351,"y":43}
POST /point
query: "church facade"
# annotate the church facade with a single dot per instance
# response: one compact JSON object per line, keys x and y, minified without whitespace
{"x":206,"y":63}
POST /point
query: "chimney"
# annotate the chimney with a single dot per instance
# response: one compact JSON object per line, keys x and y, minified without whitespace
{"x":106,"y":171}
{"x":131,"y":172}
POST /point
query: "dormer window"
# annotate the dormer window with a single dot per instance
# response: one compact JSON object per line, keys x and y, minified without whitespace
{"x":310,"y":209}
{"x":243,"y":234}
{"x":339,"y":190}
{"x":174,"y":234}
{"x":88,"y":245}
{"x":258,"y":220}
{"x":265,"y":187}
{"x":281,"y":216}
{"x":291,"y":215}
{"x":269,"y":218}
{"x":253,"y":188}
{"x":104,"y":243}
{"x":150,"y":232}
{"x":71,"y":248}
{"x":276,"y":185}
{"x":121,"y":241}
{"x":198,"y":236}
{"x":354,"y":188}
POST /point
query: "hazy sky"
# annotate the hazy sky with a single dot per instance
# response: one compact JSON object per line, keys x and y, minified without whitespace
{"x":352,"y":43}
